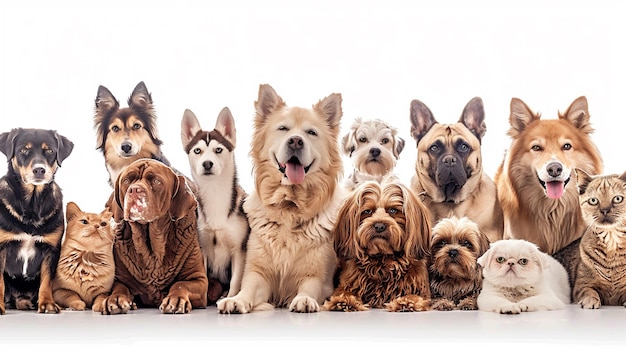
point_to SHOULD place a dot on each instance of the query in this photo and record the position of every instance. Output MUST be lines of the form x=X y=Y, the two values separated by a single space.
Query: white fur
x=510 y=287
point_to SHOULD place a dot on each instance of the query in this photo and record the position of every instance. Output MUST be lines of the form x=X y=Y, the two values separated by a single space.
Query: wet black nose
x=375 y=152
x=39 y=171
x=554 y=169
x=126 y=147
x=207 y=165
x=453 y=253
x=380 y=227
x=295 y=143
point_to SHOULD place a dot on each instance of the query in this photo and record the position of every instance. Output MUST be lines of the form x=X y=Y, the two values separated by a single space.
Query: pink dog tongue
x=295 y=172
x=555 y=189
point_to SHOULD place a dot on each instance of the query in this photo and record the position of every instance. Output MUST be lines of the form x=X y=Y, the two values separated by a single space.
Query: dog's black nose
x=449 y=160
x=453 y=253
x=380 y=227
x=126 y=147
x=295 y=143
x=207 y=165
x=554 y=169
x=39 y=171
x=375 y=152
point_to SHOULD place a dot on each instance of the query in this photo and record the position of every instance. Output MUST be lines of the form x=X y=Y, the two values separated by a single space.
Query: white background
x=378 y=55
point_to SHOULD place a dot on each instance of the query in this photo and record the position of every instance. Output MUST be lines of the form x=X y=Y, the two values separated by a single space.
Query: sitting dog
x=222 y=225
x=374 y=147
x=382 y=240
x=449 y=170
x=156 y=249
x=455 y=276
x=31 y=218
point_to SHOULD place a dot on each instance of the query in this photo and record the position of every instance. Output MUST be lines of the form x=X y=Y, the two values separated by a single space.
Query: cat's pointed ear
x=71 y=210
x=582 y=180
x=623 y=177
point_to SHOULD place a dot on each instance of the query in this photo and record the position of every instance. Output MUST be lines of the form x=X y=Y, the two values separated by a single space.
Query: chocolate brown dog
x=157 y=254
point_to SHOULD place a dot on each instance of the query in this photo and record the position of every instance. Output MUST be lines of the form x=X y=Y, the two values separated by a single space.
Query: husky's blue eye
x=218 y=150
x=197 y=151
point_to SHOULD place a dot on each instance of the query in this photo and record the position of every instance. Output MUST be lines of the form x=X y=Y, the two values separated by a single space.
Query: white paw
x=233 y=305
x=304 y=304
x=512 y=308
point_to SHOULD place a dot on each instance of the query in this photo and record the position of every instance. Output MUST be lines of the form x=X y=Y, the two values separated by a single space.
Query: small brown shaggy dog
x=455 y=276
x=382 y=239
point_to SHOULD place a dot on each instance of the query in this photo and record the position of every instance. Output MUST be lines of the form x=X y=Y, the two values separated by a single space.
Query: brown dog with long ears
x=449 y=170
x=156 y=250
x=536 y=182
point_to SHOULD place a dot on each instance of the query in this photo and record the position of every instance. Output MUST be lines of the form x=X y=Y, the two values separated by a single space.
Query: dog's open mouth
x=554 y=189
x=294 y=170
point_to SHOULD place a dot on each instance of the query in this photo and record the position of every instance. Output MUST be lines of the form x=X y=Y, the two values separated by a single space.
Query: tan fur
x=290 y=260
x=455 y=276
x=528 y=213
x=382 y=239
x=436 y=142
x=86 y=266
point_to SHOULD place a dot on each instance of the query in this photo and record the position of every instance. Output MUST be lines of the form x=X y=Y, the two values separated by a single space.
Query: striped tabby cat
x=601 y=274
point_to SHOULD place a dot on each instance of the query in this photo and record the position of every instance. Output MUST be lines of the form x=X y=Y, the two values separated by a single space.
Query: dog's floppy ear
x=399 y=146
x=7 y=142
x=485 y=258
x=65 y=147
x=330 y=108
x=347 y=143
x=225 y=124
x=578 y=114
x=418 y=223
x=347 y=225
x=422 y=119
x=483 y=242
x=473 y=117
x=267 y=102
x=189 y=127
x=521 y=116
x=183 y=200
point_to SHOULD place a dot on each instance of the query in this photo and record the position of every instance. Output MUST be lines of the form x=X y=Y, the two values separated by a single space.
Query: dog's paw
x=2 y=308
x=590 y=302
x=230 y=305
x=48 y=306
x=409 y=303
x=77 y=305
x=443 y=305
x=509 y=308
x=468 y=304
x=304 y=304
x=117 y=304
x=172 y=304
x=344 y=303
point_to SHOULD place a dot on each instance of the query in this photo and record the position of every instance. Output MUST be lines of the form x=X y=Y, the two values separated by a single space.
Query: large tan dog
x=536 y=183
x=449 y=169
x=295 y=153
x=157 y=253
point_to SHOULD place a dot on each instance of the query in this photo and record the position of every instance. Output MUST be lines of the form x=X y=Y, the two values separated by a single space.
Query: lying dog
x=374 y=147
x=222 y=225
x=449 y=169
x=126 y=134
x=382 y=240
x=31 y=218
x=295 y=153
x=156 y=250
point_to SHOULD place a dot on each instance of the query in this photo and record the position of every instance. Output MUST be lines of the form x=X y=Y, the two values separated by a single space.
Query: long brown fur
x=290 y=259
x=383 y=253
x=529 y=214
x=86 y=266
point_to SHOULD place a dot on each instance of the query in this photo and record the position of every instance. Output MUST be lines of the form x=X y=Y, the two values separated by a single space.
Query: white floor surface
x=205 y=329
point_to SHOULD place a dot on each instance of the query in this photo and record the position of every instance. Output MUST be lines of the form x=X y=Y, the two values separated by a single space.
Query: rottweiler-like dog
x=31 y=218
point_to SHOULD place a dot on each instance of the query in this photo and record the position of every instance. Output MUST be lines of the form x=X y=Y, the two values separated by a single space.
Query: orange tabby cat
x=86 y=268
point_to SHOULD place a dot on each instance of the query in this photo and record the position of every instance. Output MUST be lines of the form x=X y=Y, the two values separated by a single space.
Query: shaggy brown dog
x=382 y=239
x=157 y=254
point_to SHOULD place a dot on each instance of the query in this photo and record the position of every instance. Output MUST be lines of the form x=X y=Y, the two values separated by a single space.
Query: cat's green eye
x=500 y=259
x=523 y=261
x=617 y=199
x=593 y=201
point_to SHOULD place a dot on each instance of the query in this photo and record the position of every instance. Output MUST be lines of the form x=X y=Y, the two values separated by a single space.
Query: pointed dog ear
x=189 y=127
x=422 y=119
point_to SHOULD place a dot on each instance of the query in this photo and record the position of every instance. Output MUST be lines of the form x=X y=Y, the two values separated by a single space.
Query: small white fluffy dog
x=374 y=148
x=517 y=277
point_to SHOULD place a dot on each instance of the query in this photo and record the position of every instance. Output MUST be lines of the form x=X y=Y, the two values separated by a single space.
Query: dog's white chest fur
x=27 y=249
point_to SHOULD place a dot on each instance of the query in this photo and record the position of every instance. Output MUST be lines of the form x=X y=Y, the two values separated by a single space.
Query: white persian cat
x=517 y=277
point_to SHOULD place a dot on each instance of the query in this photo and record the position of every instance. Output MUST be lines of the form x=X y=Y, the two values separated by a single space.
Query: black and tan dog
x=449 y=169
x=31 y=218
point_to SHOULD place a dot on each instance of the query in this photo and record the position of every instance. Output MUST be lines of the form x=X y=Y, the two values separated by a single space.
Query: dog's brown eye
x=500 y=259
x=283 y=128
x=49 y=151
x=617 y=199
x=156 y=181
x=466 y=243
x=463 y=148
x=434 y=148
x=312 y=132
x=536 y=148
x=593 y=201
x=115 y=129
x=392 y=211
x=363 y=140
x=24 y=151
x=366 y=212
x=384 y=141
x=125 y=181
x=567 y=146
x=83 y=221
x=136 y=126
x=523 y=261
x=218 y=150
x=197 y=151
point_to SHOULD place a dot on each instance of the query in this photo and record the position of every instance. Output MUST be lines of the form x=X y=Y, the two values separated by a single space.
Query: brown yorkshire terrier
x=382 y=237
x=455 y=276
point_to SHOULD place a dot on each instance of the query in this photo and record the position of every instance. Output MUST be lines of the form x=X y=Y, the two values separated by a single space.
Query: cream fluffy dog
x=374 y=148
x=297 y=164
x=517 y=277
